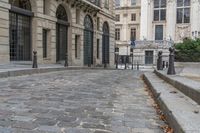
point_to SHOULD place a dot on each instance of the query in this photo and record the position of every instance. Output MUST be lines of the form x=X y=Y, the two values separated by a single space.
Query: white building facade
x=127 y=25
x=170 y=19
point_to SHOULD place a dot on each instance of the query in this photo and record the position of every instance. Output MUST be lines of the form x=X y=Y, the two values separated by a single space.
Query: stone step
x=181 y=112
x=187 y=86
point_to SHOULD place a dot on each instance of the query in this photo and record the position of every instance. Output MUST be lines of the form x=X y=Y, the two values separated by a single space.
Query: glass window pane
x=163 y=3
x=117 y=3
x=159 y=32
x=156 y=3
x=156 y=15
x=133 y=2
x=187 y=3
x=179 y=3
x=163 y=14
x=179 y=15
x=186 y=15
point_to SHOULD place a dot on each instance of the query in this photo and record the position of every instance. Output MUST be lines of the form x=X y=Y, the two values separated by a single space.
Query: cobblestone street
x=77 y=101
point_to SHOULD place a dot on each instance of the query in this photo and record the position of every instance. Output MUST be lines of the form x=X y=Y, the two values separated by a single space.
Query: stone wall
x=48 y=21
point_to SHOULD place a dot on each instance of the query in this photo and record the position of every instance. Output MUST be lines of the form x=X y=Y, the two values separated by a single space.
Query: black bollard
x=171 y=69
x=116 y=61
x=66 y=60
x=167 y=64
x=35 y=65
x=163 y=64
x=138 y=66
x=159 y=61
x=125 y=63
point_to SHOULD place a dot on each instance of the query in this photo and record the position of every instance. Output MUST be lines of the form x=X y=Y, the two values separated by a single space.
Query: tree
x=188 y=51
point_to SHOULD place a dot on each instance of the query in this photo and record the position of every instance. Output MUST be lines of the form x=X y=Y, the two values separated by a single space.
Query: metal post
x=116 y=61
x=132 y=62
x=138 y=66
x=125 y=63
x=171 y=69
x=167 y=64
x=66 y=60
x=35 y=65
x=163 y=65
x=159 y=61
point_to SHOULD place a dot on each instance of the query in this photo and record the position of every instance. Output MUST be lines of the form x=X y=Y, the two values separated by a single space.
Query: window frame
x=117 y=34
x=160 y=9
x=182 y=8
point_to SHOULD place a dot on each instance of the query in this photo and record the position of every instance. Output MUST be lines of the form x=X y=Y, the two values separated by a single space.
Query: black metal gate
x=61 y=45
x=88 y=41
x=105 y=44
x=20 y=37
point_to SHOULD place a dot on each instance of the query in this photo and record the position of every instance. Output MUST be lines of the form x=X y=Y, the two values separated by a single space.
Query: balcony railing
x=95 y=2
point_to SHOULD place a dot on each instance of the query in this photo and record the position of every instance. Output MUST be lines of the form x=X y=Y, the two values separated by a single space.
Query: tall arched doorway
x=20 y=30
x=88 y=41
x=105 y=44
x=61 y=33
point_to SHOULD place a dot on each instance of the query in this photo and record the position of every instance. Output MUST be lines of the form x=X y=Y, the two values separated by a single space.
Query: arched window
x=106 y=28
x=61 y=13
x=24 y=4
x=88 y=23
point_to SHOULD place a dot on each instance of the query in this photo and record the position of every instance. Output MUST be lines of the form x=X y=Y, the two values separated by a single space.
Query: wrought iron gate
x=105 y=44
x=20 y=37
x=88 y=41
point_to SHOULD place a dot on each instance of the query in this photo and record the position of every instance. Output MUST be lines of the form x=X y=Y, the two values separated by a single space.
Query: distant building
x=82 y=30
x=127 y=25
x=155 y=25
x=170 y=19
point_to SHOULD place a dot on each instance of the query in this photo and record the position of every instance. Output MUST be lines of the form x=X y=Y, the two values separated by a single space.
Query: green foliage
x=188 y=51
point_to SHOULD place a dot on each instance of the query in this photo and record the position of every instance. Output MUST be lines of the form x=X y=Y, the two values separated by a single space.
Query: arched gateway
x=20 y=30
x=105 y=44
x=61 y=33
x=88 y=41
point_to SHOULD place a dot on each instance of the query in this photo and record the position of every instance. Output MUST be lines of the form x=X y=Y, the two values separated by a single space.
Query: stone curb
x=187 y=86
x=169 y=116
x=22 y=72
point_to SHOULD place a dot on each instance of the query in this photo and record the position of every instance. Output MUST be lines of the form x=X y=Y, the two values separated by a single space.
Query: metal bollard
x=66 y=60
x=163 y=64
x=167 y=64
x=35 y=65
x=138 y=66
x=159 y=61
x=171 y=69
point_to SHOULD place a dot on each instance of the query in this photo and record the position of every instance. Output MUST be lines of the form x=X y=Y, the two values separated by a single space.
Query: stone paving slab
x=181 y=111
x=189 y=87
x=77 y=101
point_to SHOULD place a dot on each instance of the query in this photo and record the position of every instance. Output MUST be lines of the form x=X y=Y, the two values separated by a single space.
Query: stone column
x=171 y=19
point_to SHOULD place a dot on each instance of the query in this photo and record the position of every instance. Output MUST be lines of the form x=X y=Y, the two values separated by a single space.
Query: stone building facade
x=170 y=19
x=127 y=25
x=81 y=30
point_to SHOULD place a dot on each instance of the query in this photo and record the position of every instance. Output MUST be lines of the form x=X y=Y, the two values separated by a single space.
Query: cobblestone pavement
x=77 y=101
